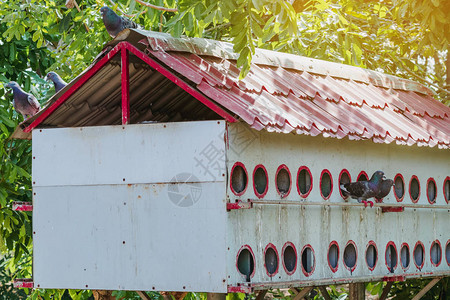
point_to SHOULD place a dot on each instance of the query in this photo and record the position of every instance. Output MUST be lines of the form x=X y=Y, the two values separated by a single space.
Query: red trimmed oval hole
x=447 y=252
x=431 y=190
x=239 y=179
x=399 y=187
x=304 y=181
x=283 y=181
x=447 y=189
x=391 y=256
x=414 y=188
x=350 y=256
x=308 y=260
x=333 y=256
x=246 y=262
x=344 y=177
x=371 y=255
x=404 y=256
x=436 y=253
x=271 y=260
x=326 y=184
x=362 y=176
x=289 y=258
x=419 y=254
x=260 y=181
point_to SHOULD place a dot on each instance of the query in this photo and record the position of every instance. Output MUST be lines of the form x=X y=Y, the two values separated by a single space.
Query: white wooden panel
x=143 y=153
x=130 y=237
x=318 y=226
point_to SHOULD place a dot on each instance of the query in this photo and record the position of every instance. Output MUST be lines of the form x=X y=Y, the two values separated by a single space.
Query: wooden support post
x=143 y=295
x=216 y=296
x=324 y=292
x=427 y=288
x=386 y=290
x=261 y=295
x=125 y=76
x=303 y=293
x=357 y=291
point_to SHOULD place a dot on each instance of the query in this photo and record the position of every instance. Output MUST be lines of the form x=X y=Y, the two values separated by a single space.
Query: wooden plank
x=143 y=295
x=261 y=295
x=357 y=291
x=427 y=288
x=386 y=290
x=303 y=293
x=324 y=292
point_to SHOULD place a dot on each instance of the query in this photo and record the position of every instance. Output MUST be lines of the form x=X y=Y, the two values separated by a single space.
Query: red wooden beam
x=125 y=86
x=77 y=85
x=26 y=283
x=181 y=83
x=22 y=206
x=125 y=74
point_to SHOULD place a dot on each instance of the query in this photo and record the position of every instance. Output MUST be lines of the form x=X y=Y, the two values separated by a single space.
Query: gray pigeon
x=23 y=102
x=57 y=81
x=385 y=190
x=114 y=23
x=363 y=190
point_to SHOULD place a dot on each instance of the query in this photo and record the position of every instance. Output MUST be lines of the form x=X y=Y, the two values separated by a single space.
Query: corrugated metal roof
x=282 y=93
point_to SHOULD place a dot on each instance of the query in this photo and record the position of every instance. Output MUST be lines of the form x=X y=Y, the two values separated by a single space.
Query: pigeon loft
x=157 y=169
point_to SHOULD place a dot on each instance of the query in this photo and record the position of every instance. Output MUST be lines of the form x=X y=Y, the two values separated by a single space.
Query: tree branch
x=157 y=7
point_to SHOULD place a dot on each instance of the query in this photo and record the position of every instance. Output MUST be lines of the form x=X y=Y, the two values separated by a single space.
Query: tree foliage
x=407 y=38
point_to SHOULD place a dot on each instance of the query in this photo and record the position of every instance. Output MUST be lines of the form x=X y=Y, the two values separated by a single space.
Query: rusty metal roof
x=281 y=93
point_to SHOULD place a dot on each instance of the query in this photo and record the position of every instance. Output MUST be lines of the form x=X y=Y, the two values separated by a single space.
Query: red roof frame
x=124 y=48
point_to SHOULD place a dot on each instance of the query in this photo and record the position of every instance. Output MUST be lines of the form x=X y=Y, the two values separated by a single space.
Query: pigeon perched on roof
x=363 y=190
x=384 y=190
x=115 y=23
x=57 y=81
x=24 y=102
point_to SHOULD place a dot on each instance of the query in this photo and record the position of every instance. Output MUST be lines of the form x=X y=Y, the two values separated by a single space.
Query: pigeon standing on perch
x=23 y=102
x=57 y=81
x=363 y=190
x=384 y=190
x=114 y=23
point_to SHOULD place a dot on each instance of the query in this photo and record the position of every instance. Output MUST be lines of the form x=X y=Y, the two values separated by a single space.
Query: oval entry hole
x=399 y=187
x=447 y=253
x=350 y=257
x=271 y=261
x=371 y=256
x=304 y=181
x=283 y=181
x=289 y=259
x=344 y=178
x=333 y=257
x=362 y=176
x=260 y=181
x=325 y=184
x=238 y=179
x=404 y=255
x=414 y=189
x=436 y=253
x=418 y=256
x=431 y=191
x=447 y=189
x=308 y=260
x=246 y=263
x=391 y=257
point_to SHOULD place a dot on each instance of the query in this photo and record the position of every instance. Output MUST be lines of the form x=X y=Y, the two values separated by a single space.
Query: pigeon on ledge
x=114 y=23
x=363 y=190
x=57 y=81
x=24 y=102
x=385 y=189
